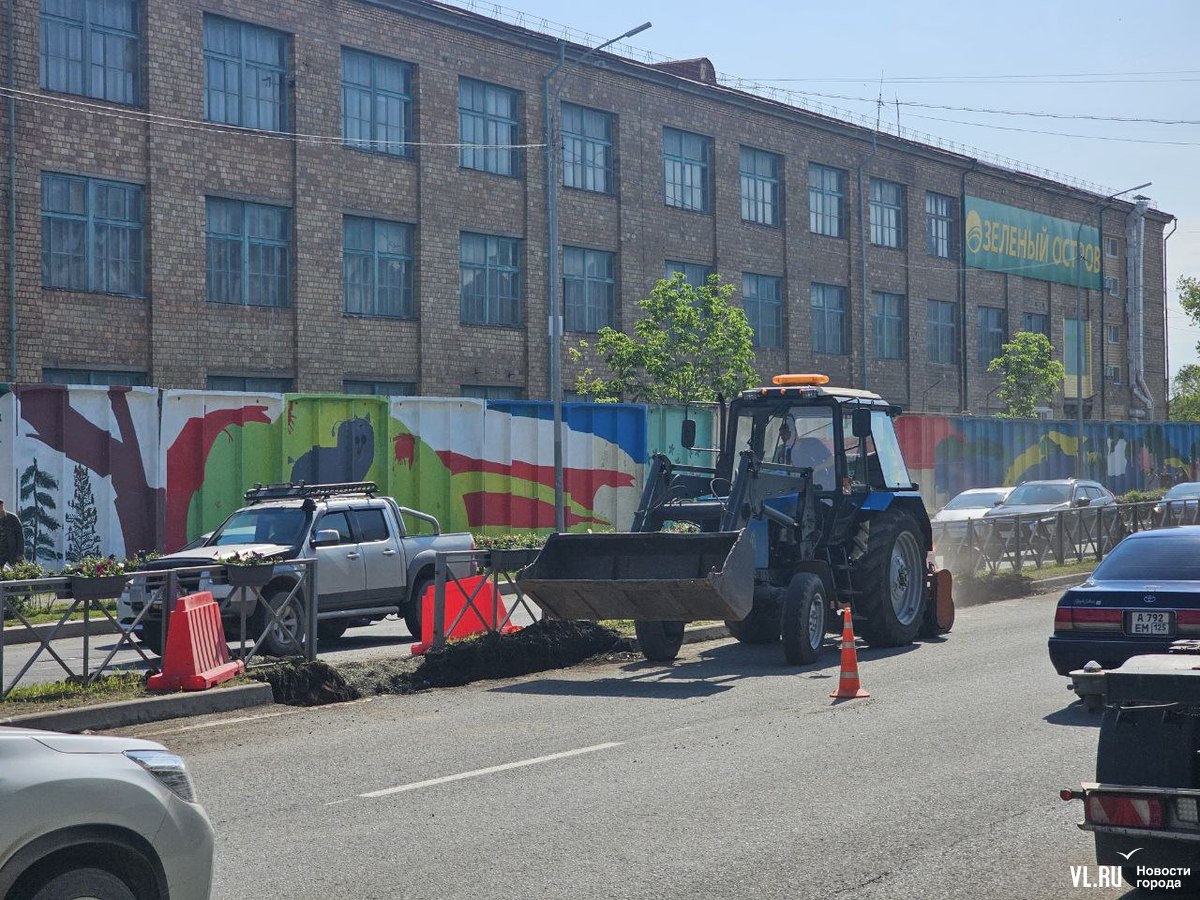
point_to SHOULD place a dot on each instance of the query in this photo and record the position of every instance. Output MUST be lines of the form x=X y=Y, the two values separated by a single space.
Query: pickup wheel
x=284 y=636
x=90 y=882
x=413 y=611
x=151 y=636
x=331 y=629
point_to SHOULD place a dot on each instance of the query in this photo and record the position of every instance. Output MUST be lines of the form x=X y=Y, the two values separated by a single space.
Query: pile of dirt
x=547 y=644
x=305 y=683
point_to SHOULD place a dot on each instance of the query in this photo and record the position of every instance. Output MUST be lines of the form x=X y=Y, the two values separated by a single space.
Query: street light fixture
x=550 y=119
x=1101 y=205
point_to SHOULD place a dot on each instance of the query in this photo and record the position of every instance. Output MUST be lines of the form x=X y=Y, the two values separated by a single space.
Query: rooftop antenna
x=897 y=96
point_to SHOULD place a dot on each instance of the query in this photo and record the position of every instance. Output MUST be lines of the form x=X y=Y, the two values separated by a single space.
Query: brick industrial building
x=351 y=195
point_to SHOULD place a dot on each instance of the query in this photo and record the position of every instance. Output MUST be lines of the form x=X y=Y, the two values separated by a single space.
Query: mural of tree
x=37 y=506
x=82 y=539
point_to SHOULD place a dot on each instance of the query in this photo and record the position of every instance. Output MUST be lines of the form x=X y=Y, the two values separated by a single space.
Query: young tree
x=37 y=514
x=1189 y=298
x=1030 y=377
x=691 y=343
x=1184 y=405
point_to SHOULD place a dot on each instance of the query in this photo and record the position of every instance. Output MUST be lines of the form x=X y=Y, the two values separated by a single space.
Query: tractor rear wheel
x=660 y=641
x=761 y=626
x=804 y=610
x=890 y=578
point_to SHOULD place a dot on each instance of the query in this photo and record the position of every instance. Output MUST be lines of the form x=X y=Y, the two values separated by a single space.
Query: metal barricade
x=498 y=568
x=1012 y=542
x=300 y=602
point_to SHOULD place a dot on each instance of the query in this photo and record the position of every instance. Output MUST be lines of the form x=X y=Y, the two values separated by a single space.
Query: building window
x=377 y=263
x=249 y=384
x=685 y=169
x=1112 y=334
x=378 y=388
x=245 y=73
x=943 y=332
x=890 y=326
x=826 y=200
x=94 y=377
x=589 y=289
x=1037 y=323
x=488 y=127
x=491 y=392
x=887 y=213
x=693 y=273
x=829 y=319
x=587 y=149
x=1112 y=247
x=760 y=186
x=762 y=298
x=376 y=103
x=91 y=235
x=939 y=224
x=248 y=248
x=92 y=48
x=489 y=280
x=1112 y=374
x=991 y=334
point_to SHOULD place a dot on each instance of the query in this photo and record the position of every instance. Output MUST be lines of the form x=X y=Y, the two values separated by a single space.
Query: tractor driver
x=804 y=452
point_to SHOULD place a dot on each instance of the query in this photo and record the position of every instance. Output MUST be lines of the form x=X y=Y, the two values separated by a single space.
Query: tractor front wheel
x=890 y=578
x=660 y=641
x=804 y=610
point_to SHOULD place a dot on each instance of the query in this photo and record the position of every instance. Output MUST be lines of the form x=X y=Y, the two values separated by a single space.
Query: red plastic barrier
x=477 y=618
x=196 y=656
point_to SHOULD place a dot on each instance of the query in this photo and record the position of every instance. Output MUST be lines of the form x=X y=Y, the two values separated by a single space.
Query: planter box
x=104 y=587
x=249 y=576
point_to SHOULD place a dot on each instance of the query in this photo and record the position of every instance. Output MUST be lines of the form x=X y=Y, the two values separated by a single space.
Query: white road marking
x=490 y=770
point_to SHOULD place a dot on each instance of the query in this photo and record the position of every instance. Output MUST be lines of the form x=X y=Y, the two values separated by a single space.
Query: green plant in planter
x=23 y=570
x=99 y=567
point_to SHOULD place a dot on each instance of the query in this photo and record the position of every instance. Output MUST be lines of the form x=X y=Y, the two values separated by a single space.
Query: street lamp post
x=550 y=119
x=1100 y=205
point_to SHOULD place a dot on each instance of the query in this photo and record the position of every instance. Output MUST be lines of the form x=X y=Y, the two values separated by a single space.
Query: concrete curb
x=21 y=635
x=104 y=716
x=702 y=633
x=1059 y=582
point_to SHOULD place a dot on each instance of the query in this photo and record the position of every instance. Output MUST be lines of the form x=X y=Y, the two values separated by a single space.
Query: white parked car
x=89 y=816
x=952 y=518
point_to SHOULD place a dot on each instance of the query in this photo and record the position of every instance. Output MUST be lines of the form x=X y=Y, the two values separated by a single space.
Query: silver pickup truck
x=368 y=565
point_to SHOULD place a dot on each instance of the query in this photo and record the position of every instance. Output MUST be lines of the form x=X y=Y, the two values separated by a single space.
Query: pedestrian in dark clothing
x=12 y=537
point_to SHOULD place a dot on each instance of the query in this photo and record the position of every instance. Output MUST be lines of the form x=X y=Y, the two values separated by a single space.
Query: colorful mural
x=949 y=454
x=118 y=470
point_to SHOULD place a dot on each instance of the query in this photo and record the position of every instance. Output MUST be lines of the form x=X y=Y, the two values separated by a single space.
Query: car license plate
x=1143 y=622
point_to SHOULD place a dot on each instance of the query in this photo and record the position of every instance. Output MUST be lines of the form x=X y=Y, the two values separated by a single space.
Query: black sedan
x=1143 y=595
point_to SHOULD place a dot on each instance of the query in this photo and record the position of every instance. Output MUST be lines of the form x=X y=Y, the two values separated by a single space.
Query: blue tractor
x=809 y=506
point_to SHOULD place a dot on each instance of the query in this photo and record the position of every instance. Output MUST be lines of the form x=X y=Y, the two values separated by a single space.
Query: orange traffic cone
x=848 y=685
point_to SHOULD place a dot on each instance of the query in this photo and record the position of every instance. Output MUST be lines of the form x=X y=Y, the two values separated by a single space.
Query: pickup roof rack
x=299 y=490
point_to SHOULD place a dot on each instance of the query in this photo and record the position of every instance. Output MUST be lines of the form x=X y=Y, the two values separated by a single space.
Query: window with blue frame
x=92 y=235
x=685 y=169
x=491 y=392
x=991 y=334
x=489 y=280
x=759 y=171
x=694 y=274
x=488 y=127
x=377 y=264
x=589 y=289
x=249 y=246
x=92 y=48
x=252 y=384
x=887 y=213
x=245 y=74
x=98 y=377
x=587 y=138
x=762 y=299
x=891 y=323
x=1038 y=323
x=943 y=332
x=367 y=388
x=829 y=319
x=826 y=200
x=376 y=103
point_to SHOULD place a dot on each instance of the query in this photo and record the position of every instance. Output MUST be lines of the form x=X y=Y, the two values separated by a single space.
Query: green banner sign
x=1013 y=240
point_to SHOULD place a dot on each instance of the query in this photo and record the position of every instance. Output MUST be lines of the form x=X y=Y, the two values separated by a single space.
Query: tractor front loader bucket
x=644 y=575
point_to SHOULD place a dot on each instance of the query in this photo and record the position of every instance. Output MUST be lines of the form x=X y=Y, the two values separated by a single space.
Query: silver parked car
x=1052 y=496
x=970 y=504
x=89 y=816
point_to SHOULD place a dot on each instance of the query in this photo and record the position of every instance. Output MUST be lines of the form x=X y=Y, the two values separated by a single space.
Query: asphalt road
x=726 y=775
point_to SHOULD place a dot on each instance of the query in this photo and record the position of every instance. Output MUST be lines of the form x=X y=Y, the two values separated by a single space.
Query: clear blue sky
x=964 y=55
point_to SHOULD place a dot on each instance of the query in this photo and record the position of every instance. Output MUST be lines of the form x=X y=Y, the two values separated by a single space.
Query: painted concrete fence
x=118 y=470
